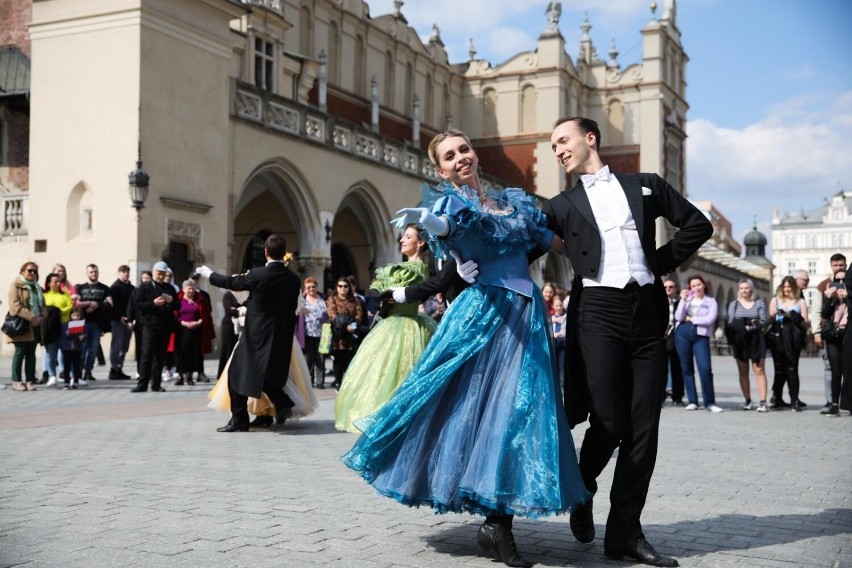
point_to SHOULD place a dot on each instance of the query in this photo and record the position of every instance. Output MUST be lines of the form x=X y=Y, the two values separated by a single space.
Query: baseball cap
x=161 y=266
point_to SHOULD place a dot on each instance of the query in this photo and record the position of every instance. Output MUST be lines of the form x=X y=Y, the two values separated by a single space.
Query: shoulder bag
x=15 y=326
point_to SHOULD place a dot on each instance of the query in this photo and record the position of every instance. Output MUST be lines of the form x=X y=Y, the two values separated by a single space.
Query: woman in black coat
x=228 y=330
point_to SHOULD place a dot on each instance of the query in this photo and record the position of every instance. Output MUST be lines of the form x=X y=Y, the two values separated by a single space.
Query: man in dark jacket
x=261 y=360
x=154 y=303
x=618 y=308
x=121 y=291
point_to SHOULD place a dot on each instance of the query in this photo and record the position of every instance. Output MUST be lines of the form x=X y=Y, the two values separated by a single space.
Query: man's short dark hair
x=275 y=246
x=124 y=268
x=837 y=257
x=585 y=125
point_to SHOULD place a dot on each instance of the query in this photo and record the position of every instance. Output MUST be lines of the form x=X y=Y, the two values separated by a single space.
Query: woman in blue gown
x=478 y=425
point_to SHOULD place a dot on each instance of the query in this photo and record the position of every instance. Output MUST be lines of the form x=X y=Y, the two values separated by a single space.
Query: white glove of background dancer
x=203 y=271
x=435 y=225
x=398 y=295
x=468 y=271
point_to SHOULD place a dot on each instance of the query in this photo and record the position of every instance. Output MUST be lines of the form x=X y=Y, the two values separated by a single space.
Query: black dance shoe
x=232 y=426
x=261 y=422
x=639 y=550
x=281 y=418
x=582 y=523
x=498 y=539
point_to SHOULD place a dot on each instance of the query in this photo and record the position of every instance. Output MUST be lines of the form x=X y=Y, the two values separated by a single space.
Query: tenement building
x=807 y=239
x=308 y=118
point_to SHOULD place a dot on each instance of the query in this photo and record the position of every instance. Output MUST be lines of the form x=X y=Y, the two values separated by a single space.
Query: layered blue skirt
x=478 y=425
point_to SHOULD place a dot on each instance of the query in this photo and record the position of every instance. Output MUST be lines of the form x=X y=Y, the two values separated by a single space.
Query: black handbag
x=15 y=326
x=831 y=333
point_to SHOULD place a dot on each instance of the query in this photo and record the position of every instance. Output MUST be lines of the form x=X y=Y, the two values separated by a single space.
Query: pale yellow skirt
x=298 y=388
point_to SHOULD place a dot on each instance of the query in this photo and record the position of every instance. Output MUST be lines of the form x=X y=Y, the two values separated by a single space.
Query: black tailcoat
x=570 y=215
x=261 y=360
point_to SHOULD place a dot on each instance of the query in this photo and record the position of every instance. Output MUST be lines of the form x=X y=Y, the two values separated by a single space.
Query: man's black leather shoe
x=499 y=539
x=139 y=389
x=639 y=550
x=281 y=418
x=261 y=422
x=582 y=523
x=232 y=426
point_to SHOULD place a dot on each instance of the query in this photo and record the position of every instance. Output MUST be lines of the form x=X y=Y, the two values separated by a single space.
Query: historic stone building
x=806 y=241
x=305 y=117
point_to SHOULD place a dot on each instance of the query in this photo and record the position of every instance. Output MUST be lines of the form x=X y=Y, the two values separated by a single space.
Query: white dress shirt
x=622 y=258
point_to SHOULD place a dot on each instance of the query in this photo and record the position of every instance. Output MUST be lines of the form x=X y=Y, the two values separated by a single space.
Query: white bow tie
x=589 y=180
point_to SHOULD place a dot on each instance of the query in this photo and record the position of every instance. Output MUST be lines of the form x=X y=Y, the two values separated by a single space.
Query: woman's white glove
x=399 y=295
x=435 y=225
x=467 y=271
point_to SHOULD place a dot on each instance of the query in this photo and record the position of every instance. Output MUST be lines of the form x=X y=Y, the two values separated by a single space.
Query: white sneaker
x=762 y=407
x=51 y=381
x=82 y=383
x=714 y=408
x=692 y=406
x=748 y=406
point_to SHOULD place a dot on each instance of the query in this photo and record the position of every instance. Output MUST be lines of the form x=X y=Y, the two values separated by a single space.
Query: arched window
x=358 y=69
x=489 y=112
x=409 y=84
x=615 y=120
x=80 y=212
x=528 y=109
x=333 y=54
x=428 y=104
x=306 y=31
x=390 y=79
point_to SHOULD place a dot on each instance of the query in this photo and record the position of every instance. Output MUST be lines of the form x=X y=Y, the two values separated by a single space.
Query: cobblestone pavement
x=101 y=477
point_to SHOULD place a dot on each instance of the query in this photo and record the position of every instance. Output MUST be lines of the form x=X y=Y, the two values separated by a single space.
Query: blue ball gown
x=478 y=426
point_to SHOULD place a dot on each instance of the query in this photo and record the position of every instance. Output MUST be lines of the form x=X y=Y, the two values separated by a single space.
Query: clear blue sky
x=769 y=84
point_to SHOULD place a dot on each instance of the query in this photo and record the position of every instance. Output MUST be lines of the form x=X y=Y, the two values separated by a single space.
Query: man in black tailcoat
x=615 y=357
x=261 y=360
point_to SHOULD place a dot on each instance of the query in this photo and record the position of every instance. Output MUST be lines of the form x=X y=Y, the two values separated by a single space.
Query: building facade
x=308 y=118
x=807 y=240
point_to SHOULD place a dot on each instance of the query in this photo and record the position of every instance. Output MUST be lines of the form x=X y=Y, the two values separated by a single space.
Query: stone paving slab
x=101 y=477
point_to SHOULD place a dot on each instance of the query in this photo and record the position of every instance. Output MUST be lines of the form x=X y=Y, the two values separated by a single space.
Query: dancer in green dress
x=393 y=346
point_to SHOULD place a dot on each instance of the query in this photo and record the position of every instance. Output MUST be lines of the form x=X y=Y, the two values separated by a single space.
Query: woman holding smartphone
x=791 y=315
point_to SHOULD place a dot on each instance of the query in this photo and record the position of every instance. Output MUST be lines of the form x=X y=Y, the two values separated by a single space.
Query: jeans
x=91 y=342
x=119 y=344
x=690 y=345
x=51 y=358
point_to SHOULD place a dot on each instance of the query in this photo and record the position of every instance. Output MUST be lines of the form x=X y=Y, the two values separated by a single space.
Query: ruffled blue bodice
x=497 y=241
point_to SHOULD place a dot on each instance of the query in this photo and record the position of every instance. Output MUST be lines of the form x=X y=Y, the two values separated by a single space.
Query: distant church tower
x=755 y=250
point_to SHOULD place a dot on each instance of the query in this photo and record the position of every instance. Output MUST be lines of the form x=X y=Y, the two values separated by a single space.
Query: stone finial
x=613 y=55
x=397 y=8
x=586 y=27
x=471 y=51
x=436 y=33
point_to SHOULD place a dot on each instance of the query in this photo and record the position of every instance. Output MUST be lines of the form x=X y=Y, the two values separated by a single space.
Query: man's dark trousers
x=155 y=341
x=621 y=342
x=239 y=403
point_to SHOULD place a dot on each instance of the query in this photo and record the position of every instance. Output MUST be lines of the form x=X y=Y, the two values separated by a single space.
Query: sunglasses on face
x=31 y=270
x=343 y=286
